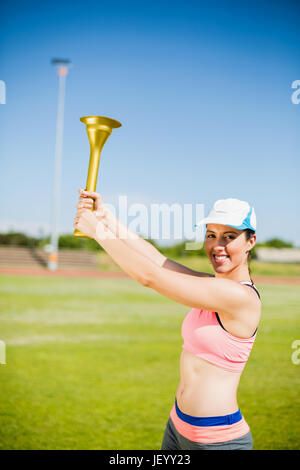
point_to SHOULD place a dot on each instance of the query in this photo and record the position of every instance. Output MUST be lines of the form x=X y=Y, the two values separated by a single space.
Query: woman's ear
x=252 y=241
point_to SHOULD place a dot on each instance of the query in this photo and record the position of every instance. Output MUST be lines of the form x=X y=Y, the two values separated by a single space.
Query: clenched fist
x=85 y=219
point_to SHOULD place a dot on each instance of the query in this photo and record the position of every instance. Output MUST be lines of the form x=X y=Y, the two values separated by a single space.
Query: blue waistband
x=211 y=420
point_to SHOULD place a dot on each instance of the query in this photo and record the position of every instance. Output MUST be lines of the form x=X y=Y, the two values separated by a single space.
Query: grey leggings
x=172 y=440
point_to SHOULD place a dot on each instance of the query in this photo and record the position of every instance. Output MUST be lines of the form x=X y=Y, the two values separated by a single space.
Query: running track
x=120 y=275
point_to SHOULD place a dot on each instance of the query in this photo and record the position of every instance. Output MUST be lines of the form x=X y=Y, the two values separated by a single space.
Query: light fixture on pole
x=62 y=66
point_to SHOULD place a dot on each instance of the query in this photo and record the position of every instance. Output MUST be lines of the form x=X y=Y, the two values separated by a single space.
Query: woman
x=219 y=330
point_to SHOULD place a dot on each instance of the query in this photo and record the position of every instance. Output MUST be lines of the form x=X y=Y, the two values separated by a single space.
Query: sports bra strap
x=247 y=283
x=250 y=285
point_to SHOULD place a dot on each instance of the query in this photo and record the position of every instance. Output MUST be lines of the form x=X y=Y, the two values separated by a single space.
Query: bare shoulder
x=244 y=323
x=203 y=292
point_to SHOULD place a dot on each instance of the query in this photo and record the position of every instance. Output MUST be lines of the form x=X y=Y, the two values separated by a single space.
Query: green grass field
x=201 y=263
x=94 y=364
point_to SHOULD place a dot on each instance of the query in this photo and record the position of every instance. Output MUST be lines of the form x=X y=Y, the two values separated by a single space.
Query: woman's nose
x=220 y=243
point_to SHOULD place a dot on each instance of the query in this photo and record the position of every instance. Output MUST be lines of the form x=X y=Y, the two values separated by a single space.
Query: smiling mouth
x=220 y=259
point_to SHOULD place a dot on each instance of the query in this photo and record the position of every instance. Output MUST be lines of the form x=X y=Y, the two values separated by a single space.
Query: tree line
x=71 y=242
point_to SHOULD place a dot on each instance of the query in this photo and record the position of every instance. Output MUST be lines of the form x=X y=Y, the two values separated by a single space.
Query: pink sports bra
x=205 y=336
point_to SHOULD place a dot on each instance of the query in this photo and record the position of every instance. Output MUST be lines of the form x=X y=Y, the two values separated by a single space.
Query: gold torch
x=98 y=130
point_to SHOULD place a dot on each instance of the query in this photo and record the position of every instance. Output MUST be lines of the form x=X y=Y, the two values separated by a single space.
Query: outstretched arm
x=223 y=295
x=131 y=239
x=131 y=261
x=180 y=268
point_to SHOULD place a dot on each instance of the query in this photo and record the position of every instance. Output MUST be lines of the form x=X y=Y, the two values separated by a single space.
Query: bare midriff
x=205 y=389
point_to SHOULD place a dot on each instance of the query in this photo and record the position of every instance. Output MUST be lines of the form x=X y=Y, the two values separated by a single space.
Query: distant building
x=278 y=255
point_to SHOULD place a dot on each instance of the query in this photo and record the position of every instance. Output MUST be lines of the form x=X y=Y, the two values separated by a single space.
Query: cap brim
x=221 y=221
x=202 y=222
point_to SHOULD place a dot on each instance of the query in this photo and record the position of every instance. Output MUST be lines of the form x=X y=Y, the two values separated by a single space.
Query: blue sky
x=203 y=91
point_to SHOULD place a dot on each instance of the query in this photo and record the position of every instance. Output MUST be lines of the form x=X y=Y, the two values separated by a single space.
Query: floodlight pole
x=62 y=71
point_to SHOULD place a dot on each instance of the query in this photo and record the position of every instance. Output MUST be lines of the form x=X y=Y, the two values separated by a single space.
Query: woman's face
x=227 y=247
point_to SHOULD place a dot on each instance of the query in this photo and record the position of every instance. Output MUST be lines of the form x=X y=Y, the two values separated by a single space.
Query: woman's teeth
x=221 y=258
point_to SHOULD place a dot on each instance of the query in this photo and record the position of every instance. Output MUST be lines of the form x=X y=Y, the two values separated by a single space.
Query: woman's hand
x=88 y=200
x=85 y=220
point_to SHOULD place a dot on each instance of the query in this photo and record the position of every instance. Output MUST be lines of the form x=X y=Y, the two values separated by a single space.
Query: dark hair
x=249 y=233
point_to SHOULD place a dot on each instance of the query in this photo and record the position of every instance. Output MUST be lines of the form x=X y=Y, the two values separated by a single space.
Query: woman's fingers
x=84 y=204
x=86 y=199
x=90 y=200
x=78 y=215
x=91 y=196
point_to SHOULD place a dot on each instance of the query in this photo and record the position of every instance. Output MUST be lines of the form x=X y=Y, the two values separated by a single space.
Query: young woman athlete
x=218 y=331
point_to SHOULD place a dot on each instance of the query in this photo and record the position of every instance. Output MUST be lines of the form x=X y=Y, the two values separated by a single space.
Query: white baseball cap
x=232 y=212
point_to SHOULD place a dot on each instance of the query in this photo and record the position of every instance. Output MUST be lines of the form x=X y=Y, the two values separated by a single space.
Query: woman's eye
x=231 y=237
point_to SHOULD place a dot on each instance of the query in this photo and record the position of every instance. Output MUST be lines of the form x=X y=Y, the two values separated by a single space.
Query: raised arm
x=222 y=295
x=180 y=268
x=131 y=239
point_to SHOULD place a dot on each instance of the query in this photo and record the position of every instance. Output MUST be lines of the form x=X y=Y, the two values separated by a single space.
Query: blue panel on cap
x=246 y=223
